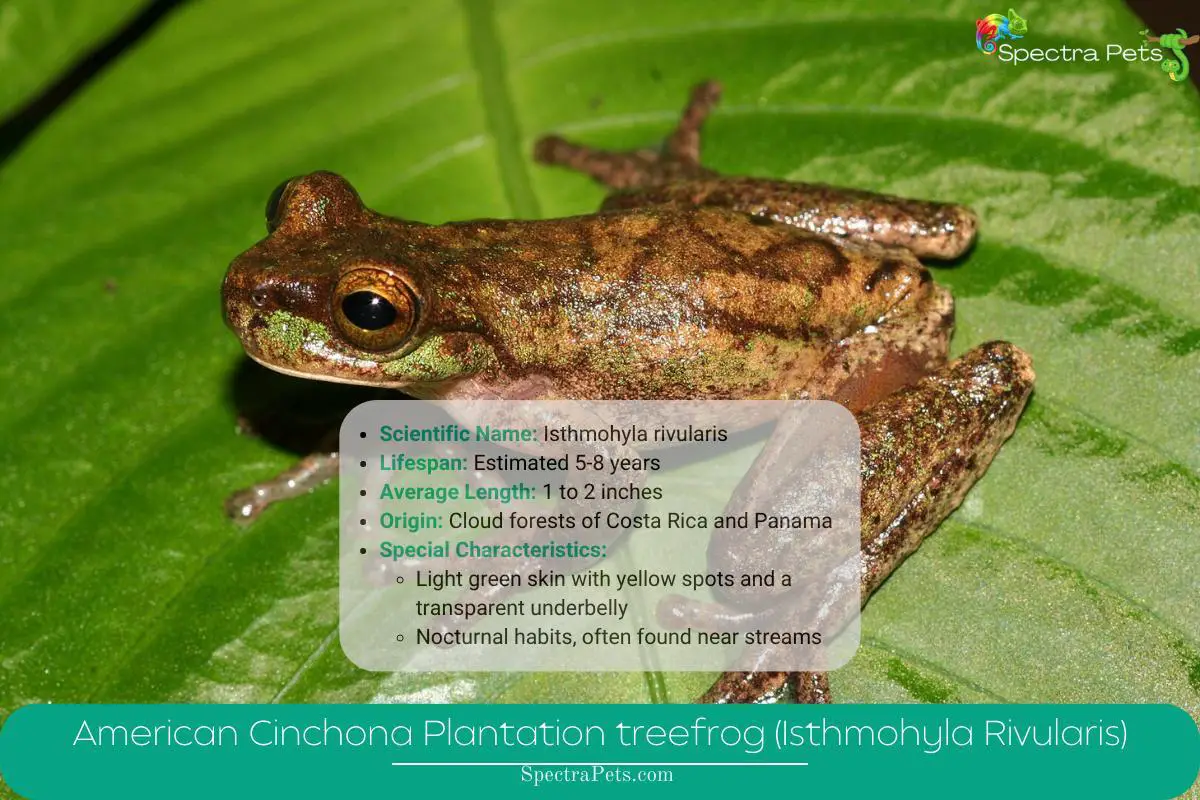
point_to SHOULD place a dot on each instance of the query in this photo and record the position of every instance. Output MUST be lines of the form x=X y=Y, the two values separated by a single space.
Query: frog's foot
x=629 y=169
x=811 y=687
x=769 y=687
x=751 y=687
x=927 y=445
x=312 y=471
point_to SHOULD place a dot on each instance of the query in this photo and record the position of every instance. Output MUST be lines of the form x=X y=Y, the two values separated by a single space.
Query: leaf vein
x=487 y=57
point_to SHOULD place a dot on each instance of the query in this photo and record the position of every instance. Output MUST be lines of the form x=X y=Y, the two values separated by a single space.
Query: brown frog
x=686 y=284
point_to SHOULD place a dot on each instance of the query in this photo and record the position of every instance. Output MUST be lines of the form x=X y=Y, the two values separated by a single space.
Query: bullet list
x=475 y=528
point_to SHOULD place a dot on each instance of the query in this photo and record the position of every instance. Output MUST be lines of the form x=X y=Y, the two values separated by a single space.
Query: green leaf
x=1069 y=572
x=39 y=38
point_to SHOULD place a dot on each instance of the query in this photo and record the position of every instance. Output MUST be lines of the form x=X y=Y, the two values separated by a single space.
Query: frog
x=685 y=284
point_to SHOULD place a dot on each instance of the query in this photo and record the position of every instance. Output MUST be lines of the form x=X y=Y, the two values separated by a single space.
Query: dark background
x=1161 y=16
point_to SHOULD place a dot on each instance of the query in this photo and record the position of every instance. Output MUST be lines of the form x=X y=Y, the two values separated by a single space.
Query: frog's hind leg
x=922 y=449
x=674 y=177
x=631 y=169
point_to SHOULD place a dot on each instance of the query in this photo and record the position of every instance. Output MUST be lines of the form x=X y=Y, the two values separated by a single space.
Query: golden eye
x=375 y=310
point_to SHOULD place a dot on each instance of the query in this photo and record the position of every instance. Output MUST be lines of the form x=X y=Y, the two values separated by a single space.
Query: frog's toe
x=244 y=506
x=632 y=169
x=684 y=143
x=752 y=687
x=811 y=687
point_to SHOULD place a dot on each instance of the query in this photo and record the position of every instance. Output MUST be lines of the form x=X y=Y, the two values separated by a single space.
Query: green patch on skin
x=922 y=687
x=434 y=360
x=291 y=331
x=757 y=340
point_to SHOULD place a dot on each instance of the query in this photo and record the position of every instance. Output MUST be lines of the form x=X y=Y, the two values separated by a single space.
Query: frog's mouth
x=419 y=390
x=311 y=375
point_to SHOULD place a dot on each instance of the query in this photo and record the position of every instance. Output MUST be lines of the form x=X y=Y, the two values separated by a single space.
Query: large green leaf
x=1068 y=574
x=39 y=38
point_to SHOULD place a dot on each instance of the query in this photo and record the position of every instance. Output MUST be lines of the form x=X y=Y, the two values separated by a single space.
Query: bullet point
x=399 y=579
x=362 y=492
x=362 y=434
x=399 y=637
x=362 y=522
x=362 y=551
x=362 y=463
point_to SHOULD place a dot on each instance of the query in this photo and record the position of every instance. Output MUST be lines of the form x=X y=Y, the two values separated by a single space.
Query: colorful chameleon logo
x=1177 y=67
x=995 y=27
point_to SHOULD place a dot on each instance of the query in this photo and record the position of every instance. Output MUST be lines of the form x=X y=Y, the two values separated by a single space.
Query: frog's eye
x=374 y=310
x=275 y=205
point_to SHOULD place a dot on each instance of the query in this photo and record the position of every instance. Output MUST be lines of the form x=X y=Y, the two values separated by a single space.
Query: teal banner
x=300 y=751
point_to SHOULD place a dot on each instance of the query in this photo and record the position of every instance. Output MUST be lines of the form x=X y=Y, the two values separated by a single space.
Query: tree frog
x=686 y=284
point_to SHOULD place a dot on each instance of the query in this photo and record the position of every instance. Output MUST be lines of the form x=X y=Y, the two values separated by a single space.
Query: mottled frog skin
x=686 y=284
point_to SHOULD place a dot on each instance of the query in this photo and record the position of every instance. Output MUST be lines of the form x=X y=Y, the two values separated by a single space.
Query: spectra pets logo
x=995 y=28
x=995 y=35
x=1176 y=63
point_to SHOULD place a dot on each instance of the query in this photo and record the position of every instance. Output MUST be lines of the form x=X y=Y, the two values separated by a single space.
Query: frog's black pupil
x=273 y=209
x=368 y=310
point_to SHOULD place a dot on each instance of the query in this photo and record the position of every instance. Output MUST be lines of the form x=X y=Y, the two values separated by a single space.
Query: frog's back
x=682 y=302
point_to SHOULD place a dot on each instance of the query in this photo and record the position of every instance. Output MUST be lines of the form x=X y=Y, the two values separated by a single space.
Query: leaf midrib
x=487 y=58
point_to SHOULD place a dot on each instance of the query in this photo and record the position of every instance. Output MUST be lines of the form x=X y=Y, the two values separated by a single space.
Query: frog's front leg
x=675 y=177
x=315 y=469
x=922 y=449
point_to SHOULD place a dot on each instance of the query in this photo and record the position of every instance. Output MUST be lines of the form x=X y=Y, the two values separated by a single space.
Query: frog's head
x=324 y=296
